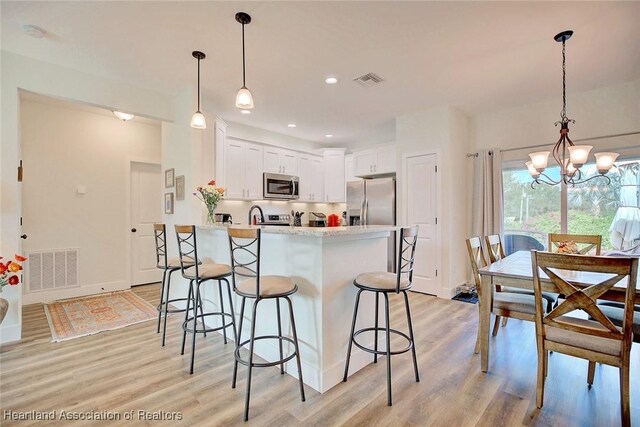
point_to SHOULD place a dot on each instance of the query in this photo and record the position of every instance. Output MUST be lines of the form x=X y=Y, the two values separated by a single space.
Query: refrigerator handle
x=366 y=212
x=362 y=212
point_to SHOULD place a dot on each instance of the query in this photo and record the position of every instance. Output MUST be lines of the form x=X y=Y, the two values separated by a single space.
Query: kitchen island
x=323 y=263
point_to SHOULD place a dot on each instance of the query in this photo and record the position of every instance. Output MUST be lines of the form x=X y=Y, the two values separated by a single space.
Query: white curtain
x=486 y=215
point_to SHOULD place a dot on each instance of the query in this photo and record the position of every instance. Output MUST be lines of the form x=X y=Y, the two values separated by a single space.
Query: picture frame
x=180 y=187
x=169 y=178
x=168 y=203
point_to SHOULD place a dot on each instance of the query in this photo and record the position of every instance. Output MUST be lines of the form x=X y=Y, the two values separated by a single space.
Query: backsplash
x=239 y=209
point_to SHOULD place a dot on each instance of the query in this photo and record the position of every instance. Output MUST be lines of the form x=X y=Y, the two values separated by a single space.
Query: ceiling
x=477 y=56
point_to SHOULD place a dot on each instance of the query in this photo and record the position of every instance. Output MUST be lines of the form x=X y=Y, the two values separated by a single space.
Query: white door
x=146 y=209
x=421 y=184
x=253 y=171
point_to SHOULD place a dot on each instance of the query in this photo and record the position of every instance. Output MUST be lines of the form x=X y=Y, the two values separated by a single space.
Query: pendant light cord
x=563 y=114
x=198 y=85
x=243 y=64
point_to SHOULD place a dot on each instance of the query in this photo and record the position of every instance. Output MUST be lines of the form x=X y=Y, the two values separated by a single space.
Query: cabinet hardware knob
x=133 y=230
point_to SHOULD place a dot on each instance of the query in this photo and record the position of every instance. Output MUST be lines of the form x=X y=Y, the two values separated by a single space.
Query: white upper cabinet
x=311 y=174
x=243 y=170
x=376 y=161
x=334 y=176
x=278 y=160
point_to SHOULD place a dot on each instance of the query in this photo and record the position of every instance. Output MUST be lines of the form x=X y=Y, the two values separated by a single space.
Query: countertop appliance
x=317 y=219
x=276 y=220
x=223 y=218
x=280 y=187
x=373 y=202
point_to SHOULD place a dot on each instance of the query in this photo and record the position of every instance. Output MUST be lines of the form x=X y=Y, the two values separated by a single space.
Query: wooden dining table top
x=515 y=270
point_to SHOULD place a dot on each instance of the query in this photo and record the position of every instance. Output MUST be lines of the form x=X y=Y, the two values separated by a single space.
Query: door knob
x=24 y=236
x=133 y=230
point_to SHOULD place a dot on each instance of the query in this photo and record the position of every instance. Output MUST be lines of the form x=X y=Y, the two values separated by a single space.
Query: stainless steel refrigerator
x=373 y=202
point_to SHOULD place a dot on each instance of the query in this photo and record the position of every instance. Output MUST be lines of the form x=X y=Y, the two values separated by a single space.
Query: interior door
x=422 y=210
x=146 y=209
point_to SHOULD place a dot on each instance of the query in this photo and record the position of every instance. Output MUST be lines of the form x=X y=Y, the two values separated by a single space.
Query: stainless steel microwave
x=282 y=187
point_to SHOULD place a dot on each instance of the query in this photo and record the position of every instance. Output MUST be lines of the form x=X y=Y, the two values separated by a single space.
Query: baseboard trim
x=56 y=294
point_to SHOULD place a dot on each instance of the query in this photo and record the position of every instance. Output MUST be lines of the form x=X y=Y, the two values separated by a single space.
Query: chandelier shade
x=569 y=157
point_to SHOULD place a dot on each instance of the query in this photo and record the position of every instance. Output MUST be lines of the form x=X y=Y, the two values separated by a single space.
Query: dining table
x=515 y=271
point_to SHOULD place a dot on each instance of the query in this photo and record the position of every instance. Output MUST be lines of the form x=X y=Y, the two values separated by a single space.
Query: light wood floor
x=126 y=370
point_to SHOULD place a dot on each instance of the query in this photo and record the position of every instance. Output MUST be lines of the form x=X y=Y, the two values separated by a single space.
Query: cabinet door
x=234 y=167
x=363 y=163
x=272 y=160
x=306 y=178
x=318 y=179
x=386 y=160
x=253 y=171
x=334 y=177
x=289 y=161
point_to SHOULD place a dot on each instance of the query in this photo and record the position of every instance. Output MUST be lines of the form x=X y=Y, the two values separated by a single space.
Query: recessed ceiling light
x=291 y=125
x=329 y=135
x=331 y=80
x=245 y=111
x=34 y=31
x=123 y=116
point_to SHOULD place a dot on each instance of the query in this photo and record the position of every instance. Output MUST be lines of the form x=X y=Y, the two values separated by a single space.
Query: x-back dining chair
x=586 y=244
x=495 y=250
x=506 y=304
x=596 y=339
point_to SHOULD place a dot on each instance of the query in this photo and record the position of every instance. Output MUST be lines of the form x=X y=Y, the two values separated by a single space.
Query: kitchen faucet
x=251 y=210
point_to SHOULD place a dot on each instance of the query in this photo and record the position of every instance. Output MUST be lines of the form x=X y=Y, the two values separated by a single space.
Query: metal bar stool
x=169 y=266
x=247 y=283
x=197 y=273
x=385 y=283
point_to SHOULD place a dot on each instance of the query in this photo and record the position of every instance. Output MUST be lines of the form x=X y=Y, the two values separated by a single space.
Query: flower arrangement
x=210 y=195
x=569 y=247
x=8 y=271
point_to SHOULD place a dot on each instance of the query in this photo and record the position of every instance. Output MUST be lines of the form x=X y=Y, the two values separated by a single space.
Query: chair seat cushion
x=548 y=296
x=577 y=339
x=521 y=303
x=173 y=262
x=382 y=281
x=270 y=286
x=208 y=270
x=615 y=314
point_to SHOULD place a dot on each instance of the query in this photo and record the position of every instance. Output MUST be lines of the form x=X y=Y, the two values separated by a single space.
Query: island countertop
x=311 y=231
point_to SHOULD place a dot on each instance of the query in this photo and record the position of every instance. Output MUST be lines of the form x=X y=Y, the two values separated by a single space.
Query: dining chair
x=505 y=304
x=495 y=250
x=591 y=242
x=598 y=340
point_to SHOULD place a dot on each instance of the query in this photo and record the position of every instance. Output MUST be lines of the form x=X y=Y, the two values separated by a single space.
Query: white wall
x=445 y=130
x=19 y=72
x=63 y=148
x=250 y=133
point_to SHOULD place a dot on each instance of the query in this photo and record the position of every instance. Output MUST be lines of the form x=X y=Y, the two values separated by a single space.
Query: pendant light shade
x=197 y=120
x=244 y=99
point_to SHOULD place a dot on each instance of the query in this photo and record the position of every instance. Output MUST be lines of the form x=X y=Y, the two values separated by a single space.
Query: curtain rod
x=575 y=140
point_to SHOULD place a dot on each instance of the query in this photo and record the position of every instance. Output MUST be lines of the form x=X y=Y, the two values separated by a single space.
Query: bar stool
x=245 y=265
x=385 y=283
x=169 y=266
x=197 y=273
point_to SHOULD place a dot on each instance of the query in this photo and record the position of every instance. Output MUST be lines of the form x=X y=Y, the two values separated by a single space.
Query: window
x=588 y=208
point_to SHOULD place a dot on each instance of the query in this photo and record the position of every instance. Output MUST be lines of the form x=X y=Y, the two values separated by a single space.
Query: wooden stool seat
x=270 y=287
x=380 y=281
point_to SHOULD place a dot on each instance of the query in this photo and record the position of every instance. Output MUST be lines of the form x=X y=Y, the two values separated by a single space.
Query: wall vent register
x=52 y=269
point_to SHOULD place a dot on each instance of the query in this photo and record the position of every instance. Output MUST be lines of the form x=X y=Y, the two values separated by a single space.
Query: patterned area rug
x=79 y=317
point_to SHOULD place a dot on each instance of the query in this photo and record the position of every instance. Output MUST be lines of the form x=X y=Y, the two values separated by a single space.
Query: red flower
x=212 y=182
x=3 y=268
x=13 y=280
x=20 y=258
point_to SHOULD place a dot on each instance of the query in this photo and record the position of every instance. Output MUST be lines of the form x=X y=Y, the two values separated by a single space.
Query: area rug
x=78 y=317
x=470 y=297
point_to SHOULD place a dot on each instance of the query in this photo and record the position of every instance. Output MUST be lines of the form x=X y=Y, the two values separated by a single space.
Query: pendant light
x=569 y=157
x=197 y=120
x=244 y=99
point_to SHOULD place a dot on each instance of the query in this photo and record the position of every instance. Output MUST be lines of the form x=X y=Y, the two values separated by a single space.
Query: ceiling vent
x=368 y=80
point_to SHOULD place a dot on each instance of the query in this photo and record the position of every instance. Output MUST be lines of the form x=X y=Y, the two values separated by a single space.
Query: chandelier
x=569 y=157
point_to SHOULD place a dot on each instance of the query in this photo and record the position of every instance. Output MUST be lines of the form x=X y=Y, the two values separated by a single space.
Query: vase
x=211 y=216
x=4 y=306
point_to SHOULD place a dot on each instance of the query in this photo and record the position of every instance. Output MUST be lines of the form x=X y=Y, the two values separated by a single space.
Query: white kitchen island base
x=323 y=263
